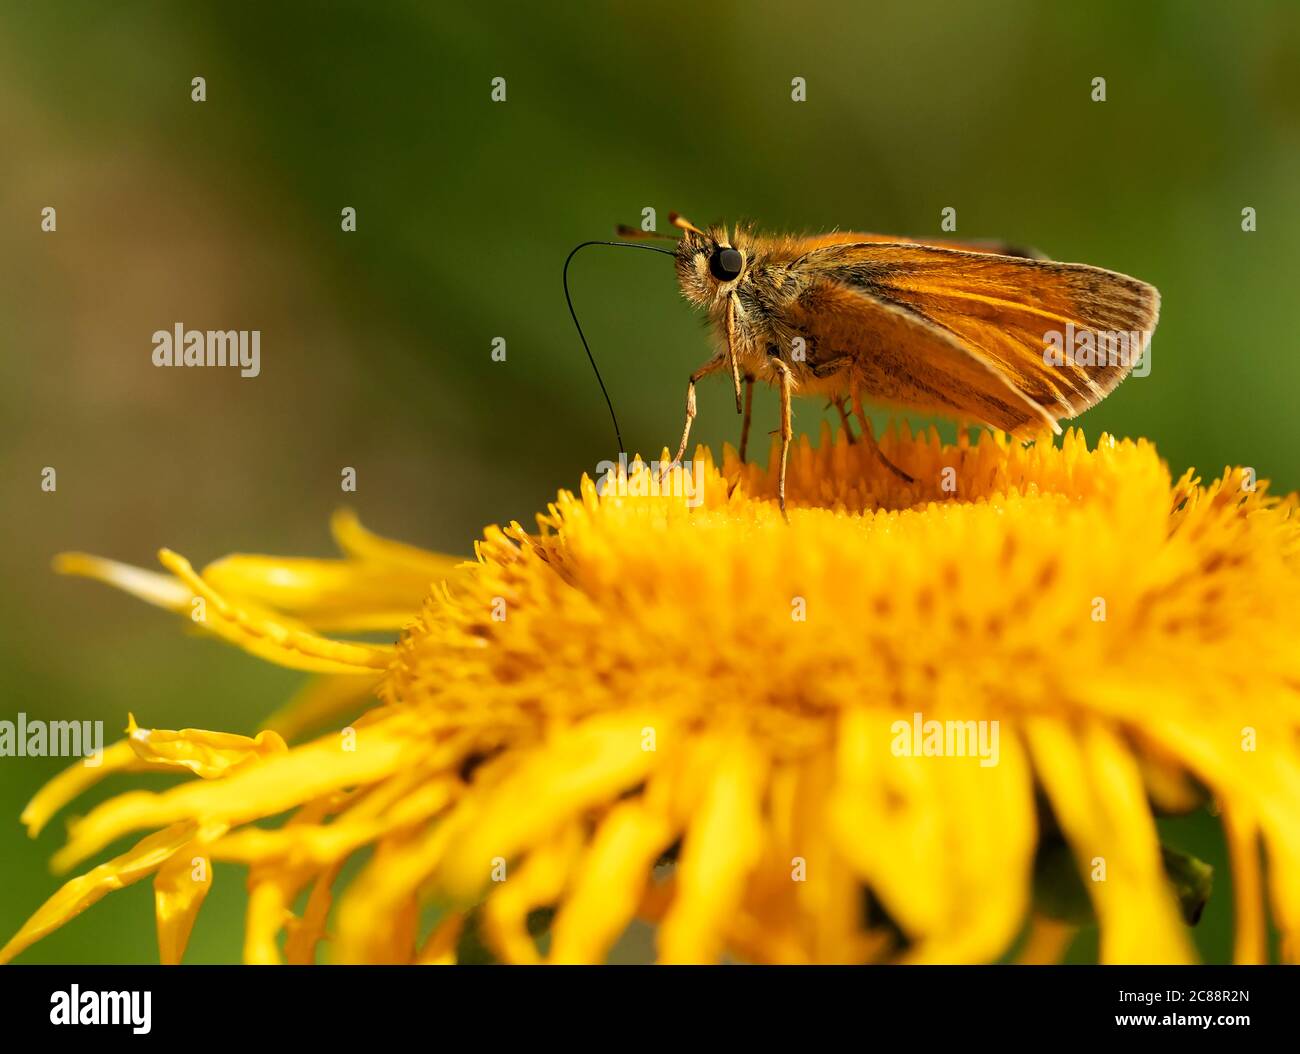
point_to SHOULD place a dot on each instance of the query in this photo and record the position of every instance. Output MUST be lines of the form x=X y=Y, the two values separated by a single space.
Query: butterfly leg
x=871 y=439
x=712 y=366
x=787 y=429
x=829 y=369
x=844 y=420
x=749 y=406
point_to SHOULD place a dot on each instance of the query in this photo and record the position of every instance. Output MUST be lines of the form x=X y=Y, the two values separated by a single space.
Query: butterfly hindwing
x=894 y=356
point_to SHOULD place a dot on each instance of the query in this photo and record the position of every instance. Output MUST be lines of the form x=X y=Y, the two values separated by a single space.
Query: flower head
x=848 y=738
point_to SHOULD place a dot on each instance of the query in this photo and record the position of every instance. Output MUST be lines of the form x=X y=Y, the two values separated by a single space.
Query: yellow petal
x=273 y=638
x=361 y=544
x=989 y=837
x=946 y=843
x=78 y=894
x=270 y=893
x=538 y=881
x=325 y=594
x=611 y=880
x=321 y=844
x=577 y=768
x=279 y=783
x=162 y=591
x=721 y=847
x=210 y=755
x=1250 y=944
x=180 y=887
x=77 y=778
x=1095 y=789
x=306 y=933
x=385 y=888
x=272 y=888
x=440 y=946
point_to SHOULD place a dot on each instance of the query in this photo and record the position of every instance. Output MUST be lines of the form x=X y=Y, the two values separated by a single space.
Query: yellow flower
x=848 y=738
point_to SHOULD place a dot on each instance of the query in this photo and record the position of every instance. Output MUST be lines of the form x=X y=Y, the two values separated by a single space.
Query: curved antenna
x=569 y=300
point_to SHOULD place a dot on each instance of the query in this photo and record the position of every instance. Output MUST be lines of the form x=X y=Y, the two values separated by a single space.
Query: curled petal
x=180 y=887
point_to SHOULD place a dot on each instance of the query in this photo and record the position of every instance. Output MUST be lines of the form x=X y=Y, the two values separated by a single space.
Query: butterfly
x=977 y=331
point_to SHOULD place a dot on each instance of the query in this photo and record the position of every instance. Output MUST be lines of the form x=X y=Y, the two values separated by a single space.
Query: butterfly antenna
x=618 y=435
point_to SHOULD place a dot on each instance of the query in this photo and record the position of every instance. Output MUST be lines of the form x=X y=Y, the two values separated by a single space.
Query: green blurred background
x=376 y=344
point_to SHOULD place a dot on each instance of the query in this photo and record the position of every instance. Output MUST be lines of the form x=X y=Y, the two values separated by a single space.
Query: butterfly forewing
x=997 y=312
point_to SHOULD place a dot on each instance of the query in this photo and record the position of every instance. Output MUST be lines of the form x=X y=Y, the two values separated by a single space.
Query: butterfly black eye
x=725 y=264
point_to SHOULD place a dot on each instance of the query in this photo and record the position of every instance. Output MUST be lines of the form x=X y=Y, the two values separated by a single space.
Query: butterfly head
x=710 y=263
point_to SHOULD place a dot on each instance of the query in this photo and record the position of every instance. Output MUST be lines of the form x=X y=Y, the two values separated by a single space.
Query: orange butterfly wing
x=941 y=320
